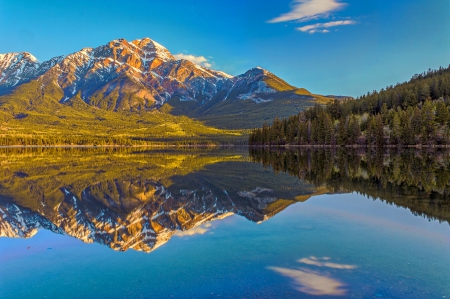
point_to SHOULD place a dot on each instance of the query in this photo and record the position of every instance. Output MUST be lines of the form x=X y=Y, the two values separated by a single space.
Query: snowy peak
x=16 y=68
x=141 y=67
x=150 y=47
x=13 y=58
x=138 y=53
x=137 y=75
x=255 y=73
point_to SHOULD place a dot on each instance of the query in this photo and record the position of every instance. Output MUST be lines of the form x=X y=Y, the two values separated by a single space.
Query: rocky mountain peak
x=15 y=57
x=149 y=47
x=16 y=68
x=255 y=72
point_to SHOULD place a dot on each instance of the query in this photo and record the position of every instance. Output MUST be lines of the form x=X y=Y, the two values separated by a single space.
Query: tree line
x=411 y=113
x=84 y=140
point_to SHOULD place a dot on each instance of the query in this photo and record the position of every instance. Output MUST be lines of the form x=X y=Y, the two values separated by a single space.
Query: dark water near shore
x=135 y=223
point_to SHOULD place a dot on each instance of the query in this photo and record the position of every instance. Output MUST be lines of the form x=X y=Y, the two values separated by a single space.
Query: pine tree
x=341 y=132
x=416 y=121
x=328 y=128
x=353 y=131
x=442 y=114
x=379 y=131
x=396 y=129
x=428 y=122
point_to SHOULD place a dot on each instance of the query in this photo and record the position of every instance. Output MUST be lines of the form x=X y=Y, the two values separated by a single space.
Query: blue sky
x=341 y=47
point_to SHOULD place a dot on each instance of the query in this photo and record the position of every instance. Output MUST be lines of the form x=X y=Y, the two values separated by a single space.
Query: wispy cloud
x=305 y=10
x=321 y=27
x=200 y=60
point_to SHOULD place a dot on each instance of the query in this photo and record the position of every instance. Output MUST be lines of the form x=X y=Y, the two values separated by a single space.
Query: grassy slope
x=35 y=111
x=246 y=114
x=31 y=110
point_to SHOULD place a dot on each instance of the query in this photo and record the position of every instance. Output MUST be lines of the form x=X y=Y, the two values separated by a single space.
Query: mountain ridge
x=142 y=75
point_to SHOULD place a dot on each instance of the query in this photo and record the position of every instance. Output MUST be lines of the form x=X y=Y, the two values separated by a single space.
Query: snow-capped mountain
x=136 y=75
x=16 y=68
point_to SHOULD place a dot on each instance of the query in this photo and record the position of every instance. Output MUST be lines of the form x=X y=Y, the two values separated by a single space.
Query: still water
x=112 y=223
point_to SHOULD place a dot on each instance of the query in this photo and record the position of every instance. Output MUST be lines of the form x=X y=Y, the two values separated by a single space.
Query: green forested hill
x=430 y=85
x=410 y=113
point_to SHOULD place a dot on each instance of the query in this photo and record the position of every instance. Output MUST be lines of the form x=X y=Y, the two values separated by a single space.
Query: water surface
x=206 y=224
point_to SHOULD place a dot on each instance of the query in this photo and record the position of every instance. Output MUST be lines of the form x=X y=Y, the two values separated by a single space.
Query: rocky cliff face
x=134 y=76
x=139 y=215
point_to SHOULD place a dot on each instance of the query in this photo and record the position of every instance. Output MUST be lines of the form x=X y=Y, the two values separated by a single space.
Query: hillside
x=31 y=118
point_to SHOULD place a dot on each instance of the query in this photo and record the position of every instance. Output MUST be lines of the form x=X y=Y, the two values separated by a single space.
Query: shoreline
x=349 y=146
x=120 y=146
x=287 y=146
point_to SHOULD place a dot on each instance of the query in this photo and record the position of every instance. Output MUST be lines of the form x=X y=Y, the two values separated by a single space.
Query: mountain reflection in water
x=134 y=200
x=138 y=199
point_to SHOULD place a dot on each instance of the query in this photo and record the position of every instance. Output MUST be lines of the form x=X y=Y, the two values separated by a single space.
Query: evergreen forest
x=407 y=114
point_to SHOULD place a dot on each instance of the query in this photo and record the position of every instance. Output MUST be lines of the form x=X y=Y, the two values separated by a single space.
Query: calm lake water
x=133 y=223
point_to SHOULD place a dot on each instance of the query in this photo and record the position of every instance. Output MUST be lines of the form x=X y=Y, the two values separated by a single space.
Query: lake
x=233 y=223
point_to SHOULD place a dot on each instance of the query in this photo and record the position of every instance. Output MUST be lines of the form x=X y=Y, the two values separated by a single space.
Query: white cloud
x=304 y=10
x=313 y=283
x=319 y=27
x=199 y=230
x=200 y=60
x=323 y=262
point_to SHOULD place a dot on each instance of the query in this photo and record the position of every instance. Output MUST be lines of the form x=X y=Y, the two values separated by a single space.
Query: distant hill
x=342 y=98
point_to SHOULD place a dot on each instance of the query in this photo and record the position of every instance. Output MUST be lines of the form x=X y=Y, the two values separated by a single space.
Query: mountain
x=18 y=68
x=142 y=75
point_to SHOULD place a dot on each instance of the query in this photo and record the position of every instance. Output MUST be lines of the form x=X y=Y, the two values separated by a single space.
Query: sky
x=330 y=47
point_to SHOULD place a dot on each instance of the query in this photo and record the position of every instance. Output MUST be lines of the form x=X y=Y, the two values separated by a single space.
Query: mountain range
x=142 y=75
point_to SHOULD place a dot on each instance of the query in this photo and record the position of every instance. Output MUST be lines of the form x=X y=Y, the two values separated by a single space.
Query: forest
x=407 y=114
